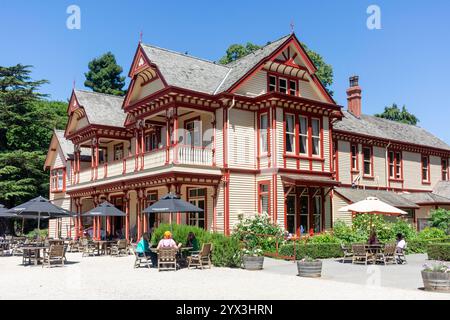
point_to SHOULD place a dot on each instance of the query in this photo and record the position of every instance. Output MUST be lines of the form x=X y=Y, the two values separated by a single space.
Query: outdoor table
x=374 y=249
x=27 y=250
x=102 y=245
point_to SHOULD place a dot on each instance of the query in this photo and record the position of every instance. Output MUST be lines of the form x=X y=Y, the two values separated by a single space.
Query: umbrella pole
x=23 y=224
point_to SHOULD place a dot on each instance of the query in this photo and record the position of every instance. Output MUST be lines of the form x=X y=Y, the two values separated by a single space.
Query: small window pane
x=290 y=133
x=292 y=87
x=272 y=83
x=283 y=85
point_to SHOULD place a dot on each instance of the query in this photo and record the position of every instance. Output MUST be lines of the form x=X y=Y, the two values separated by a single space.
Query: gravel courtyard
x=114 y=278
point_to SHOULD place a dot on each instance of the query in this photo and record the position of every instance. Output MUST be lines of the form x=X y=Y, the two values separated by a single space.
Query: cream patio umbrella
x=372 y=205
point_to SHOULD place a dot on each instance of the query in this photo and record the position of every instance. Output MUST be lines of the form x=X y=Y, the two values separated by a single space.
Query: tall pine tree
x=104 y=75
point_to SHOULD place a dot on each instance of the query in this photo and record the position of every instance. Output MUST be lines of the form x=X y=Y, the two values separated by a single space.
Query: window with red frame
x=118 y=151
x=315 y=130
x=263 y=133
x=354 y=156
x=444 y=163
x=264 y=197
x=290 y=133
x=395 y=165
x=282 y=85
x=367 y=154
x=57 y=180
x=152 y=140
x=425 y=169
x=303 y=121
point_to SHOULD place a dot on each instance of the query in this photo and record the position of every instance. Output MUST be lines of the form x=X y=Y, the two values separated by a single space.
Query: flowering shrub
x=258 y=232
x=437 y=267
x=255 y=252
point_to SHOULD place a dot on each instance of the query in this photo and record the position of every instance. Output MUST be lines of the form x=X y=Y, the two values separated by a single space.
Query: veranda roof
x=105 y=209
x=373 y=205
x=172 y=203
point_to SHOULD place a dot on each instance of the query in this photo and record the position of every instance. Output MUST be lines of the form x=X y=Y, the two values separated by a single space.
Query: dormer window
x=282 y=85
x=272 y=83
x=292 y=87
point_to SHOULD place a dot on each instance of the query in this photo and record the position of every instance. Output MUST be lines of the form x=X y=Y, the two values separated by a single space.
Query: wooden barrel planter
x=253 y=263
x=436 y=281
x=309 y=269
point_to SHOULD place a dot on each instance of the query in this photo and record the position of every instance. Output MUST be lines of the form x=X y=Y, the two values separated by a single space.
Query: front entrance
x=304 y=210
x=118 y=223
x=197 y=197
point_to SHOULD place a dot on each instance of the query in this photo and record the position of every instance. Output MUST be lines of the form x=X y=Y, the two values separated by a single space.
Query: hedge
x=315 y=251
x=439 y=251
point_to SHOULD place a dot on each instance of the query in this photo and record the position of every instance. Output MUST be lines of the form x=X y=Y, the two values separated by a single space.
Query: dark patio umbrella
x=105 y=209
x=172 y=203
x=39 y=208
x=5 y=214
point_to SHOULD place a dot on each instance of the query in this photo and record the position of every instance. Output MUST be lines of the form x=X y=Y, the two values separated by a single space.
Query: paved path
x=115 y=278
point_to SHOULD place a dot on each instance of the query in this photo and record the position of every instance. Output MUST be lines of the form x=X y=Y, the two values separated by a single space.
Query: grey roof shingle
x=67 y=146
x=102 y=109
x=390 y=130
x=442 y=188
x=391 y=198
x=187 y=72
x=425 y=197
x=200 y=75
x=243 y=65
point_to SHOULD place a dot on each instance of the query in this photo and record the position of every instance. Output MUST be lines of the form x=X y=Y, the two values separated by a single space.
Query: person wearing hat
x=167 y=241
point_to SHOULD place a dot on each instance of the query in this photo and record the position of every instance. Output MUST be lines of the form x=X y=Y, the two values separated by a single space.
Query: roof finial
x=292 y=26
x=141 y=34
x=74 y=83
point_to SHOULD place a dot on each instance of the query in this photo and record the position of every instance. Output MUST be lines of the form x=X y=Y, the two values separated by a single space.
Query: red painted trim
x=428 y=180
x=52 y=185
x=372 y=174
x=444 y=169
x=275 y=198
x=205 y=198
x=268 y=193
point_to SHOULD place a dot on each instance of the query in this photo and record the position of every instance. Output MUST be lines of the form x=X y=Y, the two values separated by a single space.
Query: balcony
x=179 y=155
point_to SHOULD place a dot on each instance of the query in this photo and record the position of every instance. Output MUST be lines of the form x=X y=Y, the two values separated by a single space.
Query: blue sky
x=406 y=62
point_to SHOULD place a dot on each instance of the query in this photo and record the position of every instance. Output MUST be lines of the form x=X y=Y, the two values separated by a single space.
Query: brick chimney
x=354 y=97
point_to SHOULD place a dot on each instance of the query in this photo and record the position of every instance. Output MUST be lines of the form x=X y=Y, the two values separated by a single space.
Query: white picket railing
x=194 y=155
x=154 y=158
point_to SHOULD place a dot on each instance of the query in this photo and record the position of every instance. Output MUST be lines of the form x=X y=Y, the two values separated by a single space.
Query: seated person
x=143 y=247
x=192 y=242
x=373 y=239
x=401 y=243
x=168 y=242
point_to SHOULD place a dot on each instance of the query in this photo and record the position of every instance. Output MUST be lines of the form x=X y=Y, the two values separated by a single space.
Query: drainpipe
x=386 y=172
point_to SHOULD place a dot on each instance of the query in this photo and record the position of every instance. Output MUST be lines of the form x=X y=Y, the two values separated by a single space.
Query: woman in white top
x=401 y=243
x=167 y=241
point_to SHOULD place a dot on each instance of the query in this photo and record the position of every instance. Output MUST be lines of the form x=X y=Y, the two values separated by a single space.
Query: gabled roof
x=387 y=129
x=442 y=188
x=185 y=71
x=391 y=198
x=426 y=198
x=102 y=109
x=240 y=67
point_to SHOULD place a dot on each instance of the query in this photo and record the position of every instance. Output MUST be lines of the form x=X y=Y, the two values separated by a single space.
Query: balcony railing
x=180 y=154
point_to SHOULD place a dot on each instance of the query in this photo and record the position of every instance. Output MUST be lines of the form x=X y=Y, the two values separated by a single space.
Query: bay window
x=263 y=133
x=303 y=134
x=367 y=154
x=264 y=197
x=315 y=126
x=290 y=133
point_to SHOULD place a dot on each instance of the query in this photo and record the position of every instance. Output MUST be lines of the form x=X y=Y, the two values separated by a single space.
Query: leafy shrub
x=323 y=238
x=226 y=250
x=36 y=233
x=440 y=219
x=439 y=251
x=315 y=251
x=346 y=234
x=405 y=228
x=428 y=234
x=251 y=230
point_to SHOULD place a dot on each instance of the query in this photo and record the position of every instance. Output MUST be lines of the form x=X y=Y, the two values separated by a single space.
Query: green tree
x=440 y=218
x=324 y=70
x=104 y=75
x=395 y=114
x=26 y=126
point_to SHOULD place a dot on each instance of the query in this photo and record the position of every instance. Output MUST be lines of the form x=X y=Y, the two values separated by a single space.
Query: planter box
x=436 y=281
x=311 y=269
x=253 y=263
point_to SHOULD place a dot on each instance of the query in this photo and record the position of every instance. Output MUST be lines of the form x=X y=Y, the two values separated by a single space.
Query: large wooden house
x=260 y=134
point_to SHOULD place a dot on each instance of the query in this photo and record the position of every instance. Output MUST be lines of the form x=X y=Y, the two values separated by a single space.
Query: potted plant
x=252 y=259
x=309 y=267
x=436 y=277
